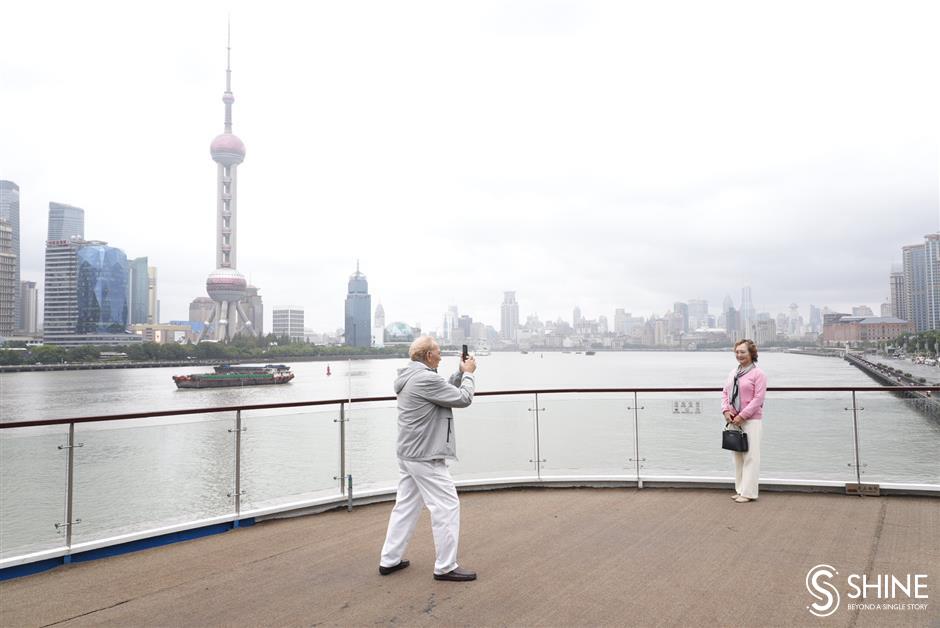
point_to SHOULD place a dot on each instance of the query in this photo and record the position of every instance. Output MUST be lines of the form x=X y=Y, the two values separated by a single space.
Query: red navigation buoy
x=328 y=370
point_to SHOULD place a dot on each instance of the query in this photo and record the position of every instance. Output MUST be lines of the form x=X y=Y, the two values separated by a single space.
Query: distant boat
x=590 y=352
x=227 y=376
x=524 y=352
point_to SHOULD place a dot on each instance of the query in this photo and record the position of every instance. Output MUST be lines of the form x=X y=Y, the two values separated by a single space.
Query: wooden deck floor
x=545 y=557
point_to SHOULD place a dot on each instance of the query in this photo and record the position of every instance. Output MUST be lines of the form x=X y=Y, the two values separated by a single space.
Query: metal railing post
x=237 y=494
x=636 y=438
x=69 y=488
x=342 y=451
x=538 y=444
x=858 y=463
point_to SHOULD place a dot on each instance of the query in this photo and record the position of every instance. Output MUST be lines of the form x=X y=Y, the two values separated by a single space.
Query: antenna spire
x=228 y=98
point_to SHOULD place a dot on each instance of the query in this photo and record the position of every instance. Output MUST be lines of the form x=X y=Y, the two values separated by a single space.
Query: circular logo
x=819 y=586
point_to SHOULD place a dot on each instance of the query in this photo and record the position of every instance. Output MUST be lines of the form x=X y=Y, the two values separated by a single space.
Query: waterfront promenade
x=546 y=557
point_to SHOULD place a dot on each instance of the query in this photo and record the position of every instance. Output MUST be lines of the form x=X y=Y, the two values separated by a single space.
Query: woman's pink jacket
x=751 y=389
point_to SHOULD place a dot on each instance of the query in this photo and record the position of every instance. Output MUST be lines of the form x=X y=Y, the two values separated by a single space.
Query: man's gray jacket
x=425 y=418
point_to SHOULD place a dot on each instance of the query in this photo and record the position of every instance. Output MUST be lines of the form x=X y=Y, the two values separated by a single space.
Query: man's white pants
x=747 y=464
x=424 y=483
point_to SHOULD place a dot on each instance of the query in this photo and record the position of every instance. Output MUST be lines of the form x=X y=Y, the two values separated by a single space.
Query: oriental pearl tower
x=226 y=286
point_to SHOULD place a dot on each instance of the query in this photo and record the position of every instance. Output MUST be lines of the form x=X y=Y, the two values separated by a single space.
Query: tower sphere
x=227 y=149
x=226 y=284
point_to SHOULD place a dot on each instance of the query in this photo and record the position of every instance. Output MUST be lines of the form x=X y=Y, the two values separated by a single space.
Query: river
x=136 y=475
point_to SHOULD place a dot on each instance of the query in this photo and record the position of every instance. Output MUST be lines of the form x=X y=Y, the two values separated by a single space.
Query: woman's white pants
x=424 y=484
x=747 y=464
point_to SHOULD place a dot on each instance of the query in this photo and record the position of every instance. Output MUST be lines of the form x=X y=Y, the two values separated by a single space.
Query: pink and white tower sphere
x=225 y=285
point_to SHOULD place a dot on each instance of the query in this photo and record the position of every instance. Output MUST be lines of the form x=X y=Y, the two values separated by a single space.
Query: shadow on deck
x=545 y=557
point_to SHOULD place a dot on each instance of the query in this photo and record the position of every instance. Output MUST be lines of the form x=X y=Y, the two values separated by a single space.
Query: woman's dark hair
x=751 y=348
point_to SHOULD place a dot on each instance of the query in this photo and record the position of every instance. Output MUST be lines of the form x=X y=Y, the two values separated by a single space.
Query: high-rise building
x=8 y=285
x=465 y=325
x=698 y=314
x=85 y=294
x=915 y=283
x=897 y=290
x=29 y=307
x=764 y=332
x=576 y=317
x=862 y=310
x=201 y=310
x=747 y=311
x=932 y=266
x=153 y=303
x=358 y=311
x=288 y=321
x=101 y=289
x=450 y=323
x=886 y=310
x=509 y=317
x=815 y=319
x=65 y=222
x=378 y=327
x=682 y=311
x=620 y=321
x=60 y=305
x=225 y=285
x=138 y=287
x=10 y=212
x=254 y=308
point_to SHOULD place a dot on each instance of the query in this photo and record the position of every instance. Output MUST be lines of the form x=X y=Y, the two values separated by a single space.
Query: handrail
x=492 y=393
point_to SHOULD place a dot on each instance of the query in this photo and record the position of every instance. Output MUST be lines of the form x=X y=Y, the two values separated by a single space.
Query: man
x=425 y=440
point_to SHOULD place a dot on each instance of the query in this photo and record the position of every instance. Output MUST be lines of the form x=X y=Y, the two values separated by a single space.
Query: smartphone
x=464 y=354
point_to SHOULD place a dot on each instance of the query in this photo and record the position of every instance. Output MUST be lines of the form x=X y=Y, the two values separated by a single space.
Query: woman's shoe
x=742 y=499
x=736 y=496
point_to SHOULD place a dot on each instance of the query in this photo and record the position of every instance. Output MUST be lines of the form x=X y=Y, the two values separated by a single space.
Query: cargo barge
x=236 y=375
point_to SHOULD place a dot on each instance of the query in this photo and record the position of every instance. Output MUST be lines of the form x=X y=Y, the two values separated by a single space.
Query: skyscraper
x=747 y=312
x=576 y=317
x=915 y=283
x=358 y=311
x=254 y=307
x=137 y=291
x=450 y=323
x=60 y=307
x=378 y=327
x=698 y=314
x=8 y=285
x=29 y=307
x=682 y=311
x=225 y=285
x=101 y=289
x=898 y=294
x=932 y=268
x=153 y=303
x=65 y=222
x=509 y=317
x=10 y=212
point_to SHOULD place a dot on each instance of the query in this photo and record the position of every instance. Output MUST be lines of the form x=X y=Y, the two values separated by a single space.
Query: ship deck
x=553 y=556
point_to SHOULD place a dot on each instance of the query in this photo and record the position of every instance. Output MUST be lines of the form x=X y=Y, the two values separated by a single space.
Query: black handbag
x=734 y=440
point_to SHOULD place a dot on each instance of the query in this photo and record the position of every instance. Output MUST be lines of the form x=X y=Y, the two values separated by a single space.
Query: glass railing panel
x=495 y=438
x=371 y=438
x=808 y=436
x=132 y=476
x=679 y=434
x=899 y=437
x=32 y=489
x=289 y=455
x=586 y=434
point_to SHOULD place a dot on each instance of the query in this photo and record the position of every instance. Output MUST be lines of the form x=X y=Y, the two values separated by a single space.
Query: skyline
x=521 y=162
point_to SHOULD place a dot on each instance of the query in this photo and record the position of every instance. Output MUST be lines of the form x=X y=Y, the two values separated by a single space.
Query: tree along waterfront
x=241 y=348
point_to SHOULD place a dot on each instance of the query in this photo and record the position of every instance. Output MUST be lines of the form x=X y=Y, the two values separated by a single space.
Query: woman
x=742 y=402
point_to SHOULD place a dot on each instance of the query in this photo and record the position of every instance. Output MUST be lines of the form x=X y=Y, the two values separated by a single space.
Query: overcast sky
x=595 y=154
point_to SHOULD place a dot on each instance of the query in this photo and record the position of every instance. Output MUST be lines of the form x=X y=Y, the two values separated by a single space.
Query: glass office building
x=102 y=290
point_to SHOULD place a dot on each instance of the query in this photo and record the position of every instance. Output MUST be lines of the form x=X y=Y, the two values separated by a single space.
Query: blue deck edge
x=122 y=548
